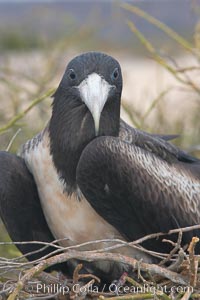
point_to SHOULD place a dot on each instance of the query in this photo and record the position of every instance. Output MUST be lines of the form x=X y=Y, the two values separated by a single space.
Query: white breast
x=66 y=216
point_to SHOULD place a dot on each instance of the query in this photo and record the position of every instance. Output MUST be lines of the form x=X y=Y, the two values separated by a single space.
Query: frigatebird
x=89 y=175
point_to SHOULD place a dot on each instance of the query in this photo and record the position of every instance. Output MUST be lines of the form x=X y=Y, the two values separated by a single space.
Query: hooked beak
x=94 y=91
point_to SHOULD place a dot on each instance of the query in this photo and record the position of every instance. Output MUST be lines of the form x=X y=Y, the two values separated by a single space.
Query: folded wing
x=141 y=188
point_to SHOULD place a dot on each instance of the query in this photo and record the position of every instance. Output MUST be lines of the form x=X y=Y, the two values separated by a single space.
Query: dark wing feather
x=130 y=133
x=20 y=207
x=157 y=144
x=138 y=191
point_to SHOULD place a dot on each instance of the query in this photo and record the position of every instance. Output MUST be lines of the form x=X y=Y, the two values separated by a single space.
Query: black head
x=86 y=104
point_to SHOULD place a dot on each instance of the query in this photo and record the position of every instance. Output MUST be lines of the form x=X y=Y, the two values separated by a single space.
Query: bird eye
x=115 y=74
x=72 y=74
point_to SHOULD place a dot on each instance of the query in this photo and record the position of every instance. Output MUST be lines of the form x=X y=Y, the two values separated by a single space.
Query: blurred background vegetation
x=156 y=42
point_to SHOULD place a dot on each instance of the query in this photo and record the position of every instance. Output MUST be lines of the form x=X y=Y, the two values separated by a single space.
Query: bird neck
x=68 y=136
x=71 y=129
x=66 y=160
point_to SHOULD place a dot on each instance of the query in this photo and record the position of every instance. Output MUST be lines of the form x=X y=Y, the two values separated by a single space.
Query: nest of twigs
x=178 y=280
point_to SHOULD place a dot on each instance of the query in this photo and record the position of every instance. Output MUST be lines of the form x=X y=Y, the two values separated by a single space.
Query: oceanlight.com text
x=115 y=289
